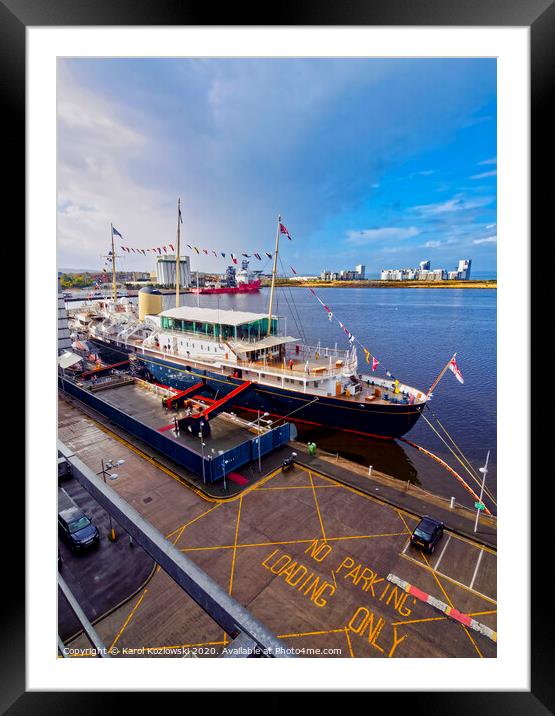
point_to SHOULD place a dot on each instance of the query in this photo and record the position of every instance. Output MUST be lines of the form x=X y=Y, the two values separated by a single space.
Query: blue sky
x=384 y=162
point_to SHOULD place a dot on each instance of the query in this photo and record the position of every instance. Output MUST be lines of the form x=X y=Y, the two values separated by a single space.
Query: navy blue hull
x=383 y=421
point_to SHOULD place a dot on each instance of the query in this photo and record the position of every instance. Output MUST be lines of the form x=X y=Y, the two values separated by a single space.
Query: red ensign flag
x=454 y=368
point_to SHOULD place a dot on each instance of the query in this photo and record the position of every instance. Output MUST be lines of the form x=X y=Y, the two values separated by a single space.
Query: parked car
x=76 y=529
x=427 y=533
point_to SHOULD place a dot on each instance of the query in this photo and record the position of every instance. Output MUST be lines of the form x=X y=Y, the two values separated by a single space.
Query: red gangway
x=194 y=421
x=188 y=392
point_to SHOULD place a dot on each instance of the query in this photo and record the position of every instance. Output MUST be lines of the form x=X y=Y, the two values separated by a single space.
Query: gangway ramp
x=199 y=422
x=187 y=393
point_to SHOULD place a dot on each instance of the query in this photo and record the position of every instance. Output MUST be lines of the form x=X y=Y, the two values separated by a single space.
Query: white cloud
x=457 y=203
x=493 y=160
x=432 y=244
x=487 y=240
x=96 y=186
x=385 y=233
x=483 y=175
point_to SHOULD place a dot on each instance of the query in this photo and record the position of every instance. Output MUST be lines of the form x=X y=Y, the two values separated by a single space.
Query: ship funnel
x=150 y=302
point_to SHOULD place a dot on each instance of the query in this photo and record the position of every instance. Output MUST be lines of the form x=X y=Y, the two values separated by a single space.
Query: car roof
x=71 y=513
x=432 y=520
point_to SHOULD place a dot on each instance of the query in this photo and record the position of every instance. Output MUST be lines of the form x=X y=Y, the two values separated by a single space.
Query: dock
x=312 y=557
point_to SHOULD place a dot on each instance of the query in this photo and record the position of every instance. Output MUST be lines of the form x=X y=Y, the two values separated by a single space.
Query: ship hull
x=380 y=421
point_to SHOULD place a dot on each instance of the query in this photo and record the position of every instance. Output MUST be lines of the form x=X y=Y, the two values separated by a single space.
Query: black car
x=76 y=529
x=427 y=534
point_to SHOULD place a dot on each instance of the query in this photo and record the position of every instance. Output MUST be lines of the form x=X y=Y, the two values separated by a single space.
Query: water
x=413 y=332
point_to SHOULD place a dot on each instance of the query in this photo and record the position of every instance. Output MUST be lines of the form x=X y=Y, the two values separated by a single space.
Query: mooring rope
x=486 y=490
x=447 y=467
x=457 y=448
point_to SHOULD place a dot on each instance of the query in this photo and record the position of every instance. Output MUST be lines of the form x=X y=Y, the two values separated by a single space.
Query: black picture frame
x=539 y=16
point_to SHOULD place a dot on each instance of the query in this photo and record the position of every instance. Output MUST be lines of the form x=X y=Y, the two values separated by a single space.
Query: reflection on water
x=384 y=455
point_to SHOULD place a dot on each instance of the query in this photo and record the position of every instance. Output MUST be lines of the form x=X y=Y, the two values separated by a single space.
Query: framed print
x=283 y=439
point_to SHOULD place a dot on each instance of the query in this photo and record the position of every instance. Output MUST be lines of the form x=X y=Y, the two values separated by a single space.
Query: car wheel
x=432 y=548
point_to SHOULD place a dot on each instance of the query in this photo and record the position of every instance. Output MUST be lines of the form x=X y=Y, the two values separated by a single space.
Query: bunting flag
x=292 y=269
x=454 y=368
x=196 y=249
x=369 y=357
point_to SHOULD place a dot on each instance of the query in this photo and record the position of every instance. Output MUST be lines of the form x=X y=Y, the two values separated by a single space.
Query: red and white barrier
x=442 y=607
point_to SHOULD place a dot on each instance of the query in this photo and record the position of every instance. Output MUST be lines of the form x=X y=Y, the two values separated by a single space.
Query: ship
x=314 y=385
x=243 y=281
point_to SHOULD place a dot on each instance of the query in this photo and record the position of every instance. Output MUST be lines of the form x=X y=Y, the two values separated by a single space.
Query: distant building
x=166 y=274
x=345 y=274
x=425 y=273
x=464 y=269
x=64 y=340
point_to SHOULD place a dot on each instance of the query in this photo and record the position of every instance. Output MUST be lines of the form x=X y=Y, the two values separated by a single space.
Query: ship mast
x=114 y=286
x=177 y=257
x=273 y=277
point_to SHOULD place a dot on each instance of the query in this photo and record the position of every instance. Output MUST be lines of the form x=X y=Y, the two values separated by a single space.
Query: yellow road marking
x=128 y=619
x=180 y=529
x=349 y=643
x=310 y=633
x=317 y=507
x=185 y=646
x=294 y=541
x=451 y=605
x=449 y=579
x=235 y=546
x=436 y=619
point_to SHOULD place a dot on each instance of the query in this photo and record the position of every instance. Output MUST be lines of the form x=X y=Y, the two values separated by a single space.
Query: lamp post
x=112 y=476
x=484 y=471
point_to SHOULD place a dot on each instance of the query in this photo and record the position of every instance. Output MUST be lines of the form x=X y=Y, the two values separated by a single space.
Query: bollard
x=369 y=470
x=452 y=504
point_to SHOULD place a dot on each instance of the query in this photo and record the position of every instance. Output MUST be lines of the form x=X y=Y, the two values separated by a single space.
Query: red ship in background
x=243 y=281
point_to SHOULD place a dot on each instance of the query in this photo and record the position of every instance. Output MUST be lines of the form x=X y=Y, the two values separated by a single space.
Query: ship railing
x=267 y=370
x=317 y=352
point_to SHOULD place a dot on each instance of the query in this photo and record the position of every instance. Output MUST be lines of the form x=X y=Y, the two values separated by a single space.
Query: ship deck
x=310 y=369
x=146 y=406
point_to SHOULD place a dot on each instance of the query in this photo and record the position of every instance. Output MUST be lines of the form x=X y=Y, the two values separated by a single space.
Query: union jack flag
x=283 y=230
